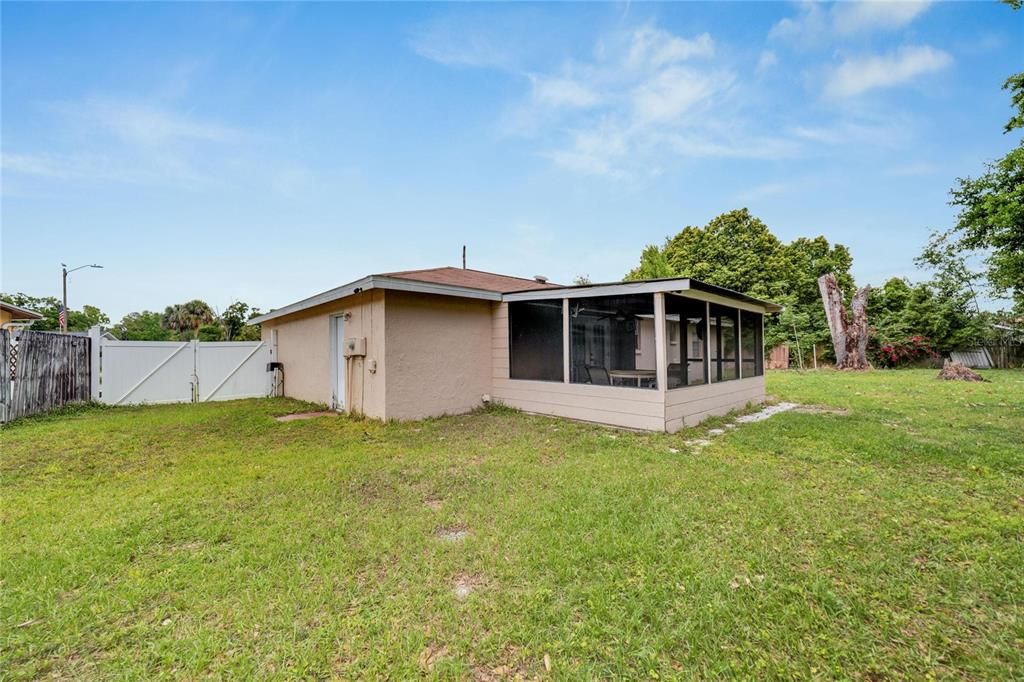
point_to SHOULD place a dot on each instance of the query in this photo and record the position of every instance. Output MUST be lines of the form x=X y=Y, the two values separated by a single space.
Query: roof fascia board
x=319 y=299
x=377 y=282
x=618 y=289
x=692 y=288
x=17 y=309
x=698 y=295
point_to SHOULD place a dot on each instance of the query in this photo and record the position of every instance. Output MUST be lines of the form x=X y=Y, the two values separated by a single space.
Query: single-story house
x=15 y=313
x=654 y=354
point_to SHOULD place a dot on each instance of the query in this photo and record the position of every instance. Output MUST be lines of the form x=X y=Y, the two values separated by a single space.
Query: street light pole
x=65 y=272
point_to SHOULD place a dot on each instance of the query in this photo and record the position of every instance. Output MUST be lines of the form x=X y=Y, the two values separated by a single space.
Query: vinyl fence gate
x=131 y=372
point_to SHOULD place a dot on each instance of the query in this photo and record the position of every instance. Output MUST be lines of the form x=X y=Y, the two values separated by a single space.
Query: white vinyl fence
x=131 y=372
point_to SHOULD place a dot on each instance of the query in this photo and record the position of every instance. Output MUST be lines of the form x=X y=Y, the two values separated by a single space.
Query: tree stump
x=954 y=371
x=849 y=336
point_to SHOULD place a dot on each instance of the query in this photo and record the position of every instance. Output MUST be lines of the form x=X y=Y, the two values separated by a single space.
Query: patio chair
x=598 y=375
x=675 y=374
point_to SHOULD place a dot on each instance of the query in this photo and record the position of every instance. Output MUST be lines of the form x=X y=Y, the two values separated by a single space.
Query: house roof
x=645 y=286
x=471 y=279
x=446 y=281
x=490 y=286
x=19 y=313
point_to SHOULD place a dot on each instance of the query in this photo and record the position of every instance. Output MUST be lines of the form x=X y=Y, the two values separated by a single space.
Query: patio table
x=632 y=375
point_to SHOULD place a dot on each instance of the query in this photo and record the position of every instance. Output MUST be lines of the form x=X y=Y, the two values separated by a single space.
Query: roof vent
x=541 y=278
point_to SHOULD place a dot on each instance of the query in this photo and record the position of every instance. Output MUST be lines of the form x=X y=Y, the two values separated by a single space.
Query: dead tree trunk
x=849 y=337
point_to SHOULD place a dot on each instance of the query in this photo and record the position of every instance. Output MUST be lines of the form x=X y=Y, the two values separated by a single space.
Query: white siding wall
x=688 y=405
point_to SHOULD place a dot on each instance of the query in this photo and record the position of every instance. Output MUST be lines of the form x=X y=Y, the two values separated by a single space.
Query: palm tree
x=186 y=318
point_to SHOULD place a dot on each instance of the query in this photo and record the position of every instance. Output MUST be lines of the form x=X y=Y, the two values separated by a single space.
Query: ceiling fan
x=619 y=315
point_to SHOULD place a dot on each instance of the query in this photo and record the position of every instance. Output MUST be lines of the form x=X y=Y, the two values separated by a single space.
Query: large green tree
x=738 y=251
x=235 y=320
x=990 y=218
x=143 y=326
x=901 y=310
x=49 y=307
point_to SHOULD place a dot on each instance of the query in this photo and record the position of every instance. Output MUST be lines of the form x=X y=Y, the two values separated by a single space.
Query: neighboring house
x=15 y=313
x=655 y=354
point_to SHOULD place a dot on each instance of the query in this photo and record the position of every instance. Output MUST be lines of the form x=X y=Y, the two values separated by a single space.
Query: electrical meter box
x=355 y=347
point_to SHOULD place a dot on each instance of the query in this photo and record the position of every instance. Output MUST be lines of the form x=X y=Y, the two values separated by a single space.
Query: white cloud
x=558 y=92
x=462 y=42
x=767 y=60
x=595 y=150
x=911 y=170
x=653 y=47
x=857 y=75
x=815 y=22
x=854 y=17
x=886 y=129
x=131 y=141
x=478 y=53
x=769 y=189
x=142 y=123
x=647 y=100
x=672 y=92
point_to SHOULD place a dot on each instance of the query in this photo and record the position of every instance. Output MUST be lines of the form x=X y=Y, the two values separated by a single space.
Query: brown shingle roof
x=20 y=313
x=472 y=279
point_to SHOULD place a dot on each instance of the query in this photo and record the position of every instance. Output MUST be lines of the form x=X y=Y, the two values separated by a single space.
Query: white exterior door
x=339 y=362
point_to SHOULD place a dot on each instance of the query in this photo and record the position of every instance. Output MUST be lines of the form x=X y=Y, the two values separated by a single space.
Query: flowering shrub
x=901 y=353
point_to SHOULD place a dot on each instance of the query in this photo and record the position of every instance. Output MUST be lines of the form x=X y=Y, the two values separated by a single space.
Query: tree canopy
x=143 y=326
x=990 y=218
x=738 y=251
x=49 y=307
x=185 y=319
x=901 y=310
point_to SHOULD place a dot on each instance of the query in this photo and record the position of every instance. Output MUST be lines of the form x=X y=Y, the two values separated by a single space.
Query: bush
x=210 y=332
x=912 y=350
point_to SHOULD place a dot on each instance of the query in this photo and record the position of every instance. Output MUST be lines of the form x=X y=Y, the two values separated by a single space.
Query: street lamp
x=66 y=272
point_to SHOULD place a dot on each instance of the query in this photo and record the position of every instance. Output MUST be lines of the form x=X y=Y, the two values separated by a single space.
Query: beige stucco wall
x=304 y=346
x=438 y=354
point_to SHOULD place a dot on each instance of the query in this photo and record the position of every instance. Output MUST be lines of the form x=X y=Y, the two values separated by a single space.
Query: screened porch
x=611 y=345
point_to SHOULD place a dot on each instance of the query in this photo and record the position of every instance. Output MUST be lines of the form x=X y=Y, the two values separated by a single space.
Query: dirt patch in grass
x=466 y=584
x=305 y=415
x=430 y=655
x=452 y=533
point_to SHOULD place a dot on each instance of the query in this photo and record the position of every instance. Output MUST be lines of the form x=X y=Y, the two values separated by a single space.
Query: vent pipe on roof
x=463 y=256
x=541 y=278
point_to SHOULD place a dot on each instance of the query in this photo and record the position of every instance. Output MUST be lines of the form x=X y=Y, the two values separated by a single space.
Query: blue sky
x=266 y=152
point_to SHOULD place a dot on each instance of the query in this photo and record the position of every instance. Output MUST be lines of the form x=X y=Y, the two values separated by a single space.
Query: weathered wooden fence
x=5 y=373
x=50 y=370
x=778 y=358
x=1007 y=355
x=997 y=356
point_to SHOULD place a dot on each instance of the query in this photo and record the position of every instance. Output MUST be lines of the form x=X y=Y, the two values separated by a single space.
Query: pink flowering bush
x=909 y=351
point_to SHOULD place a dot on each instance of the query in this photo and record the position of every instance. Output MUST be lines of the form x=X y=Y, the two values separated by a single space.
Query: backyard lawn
x=886 y=541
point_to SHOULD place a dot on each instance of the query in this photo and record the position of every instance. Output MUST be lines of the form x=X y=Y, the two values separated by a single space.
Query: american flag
x=62 y=318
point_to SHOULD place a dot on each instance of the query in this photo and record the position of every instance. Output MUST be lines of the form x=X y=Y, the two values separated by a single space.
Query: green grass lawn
x=187 y=541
